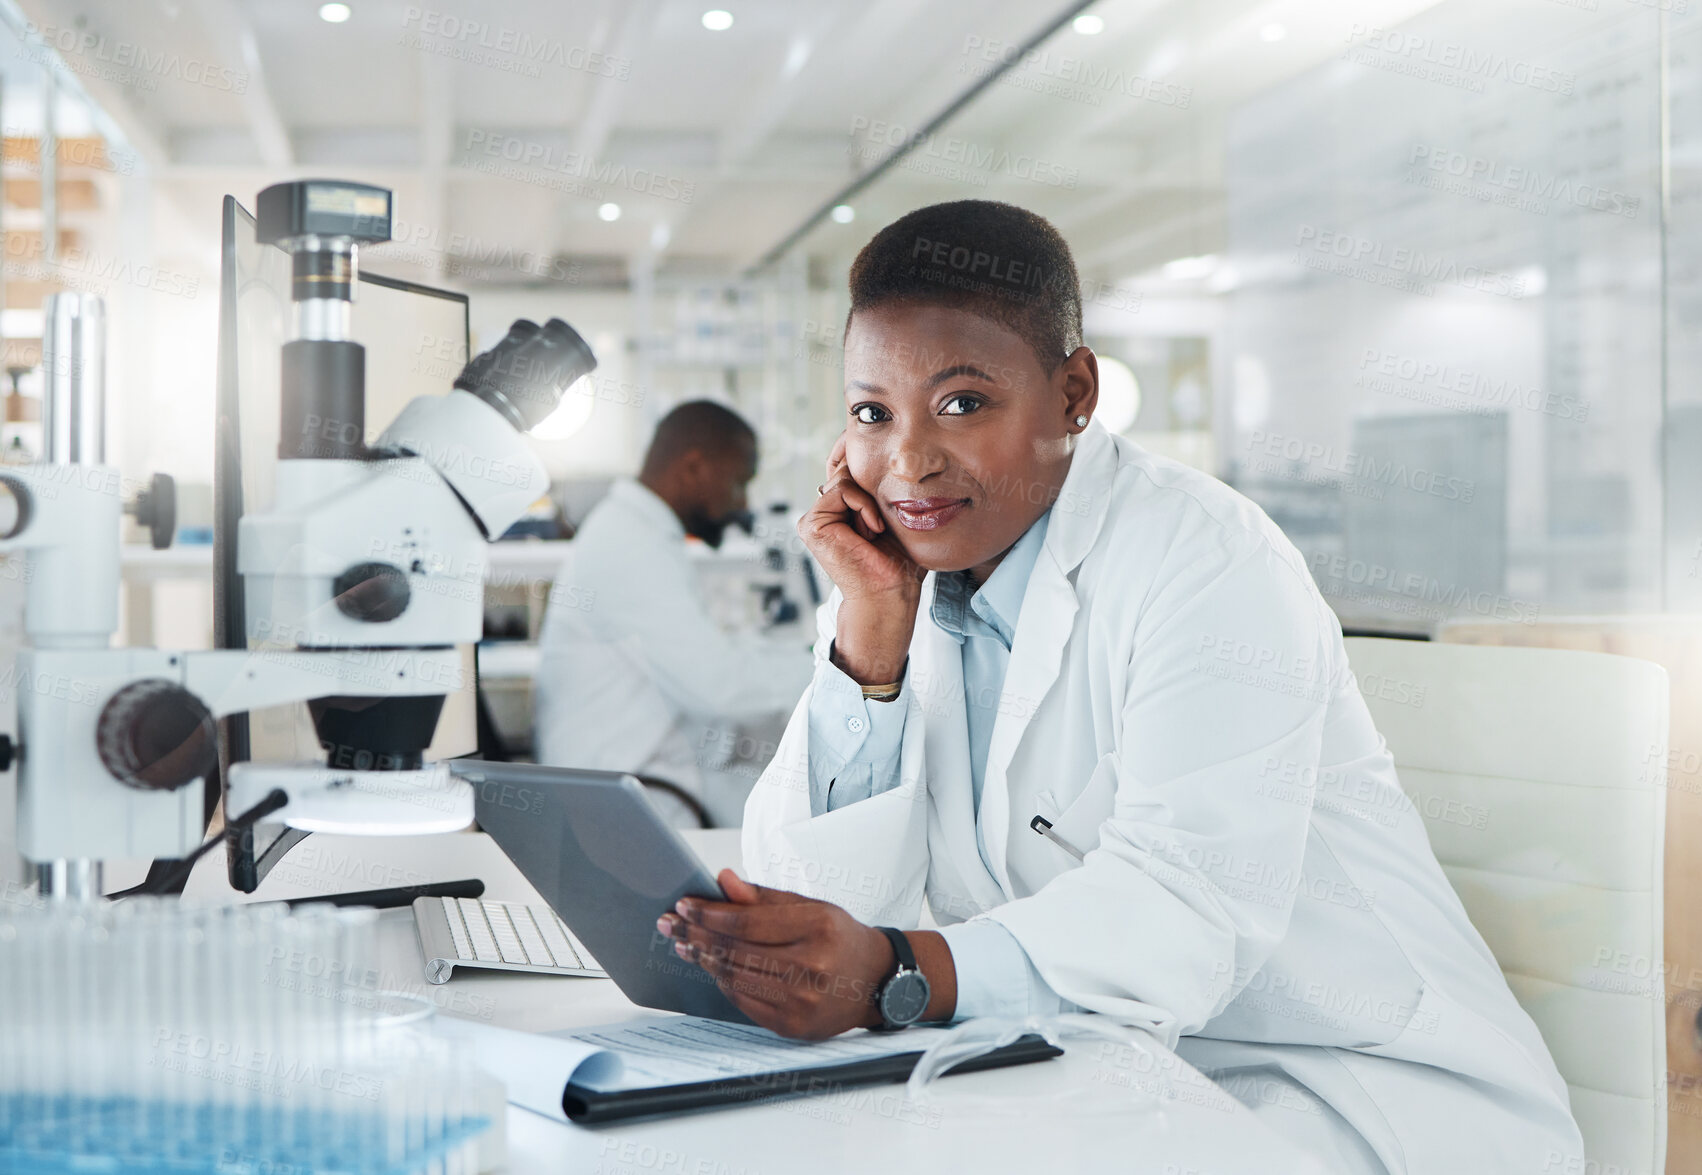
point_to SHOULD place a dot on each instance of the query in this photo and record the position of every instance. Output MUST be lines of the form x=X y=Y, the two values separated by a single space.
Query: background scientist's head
x=964 y=375
x=699 y=462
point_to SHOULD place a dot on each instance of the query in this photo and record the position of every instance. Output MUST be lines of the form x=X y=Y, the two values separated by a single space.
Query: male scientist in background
x=633 y=670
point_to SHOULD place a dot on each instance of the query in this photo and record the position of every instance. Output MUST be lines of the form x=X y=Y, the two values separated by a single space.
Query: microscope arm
x=232 y=681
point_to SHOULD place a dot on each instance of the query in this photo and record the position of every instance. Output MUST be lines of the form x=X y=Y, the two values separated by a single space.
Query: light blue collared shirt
x=979 y=624
x=854 y=754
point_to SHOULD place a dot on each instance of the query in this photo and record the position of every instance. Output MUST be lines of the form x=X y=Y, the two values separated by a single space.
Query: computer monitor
x=416 y=340
x=1424 y=519
x=1682 y=473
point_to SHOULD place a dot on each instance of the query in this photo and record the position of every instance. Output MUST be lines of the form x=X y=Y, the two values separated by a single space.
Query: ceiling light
x=334 y=13
x=797 y=56
x=1088 y=25
x=1272 y=33
x=1224 y=279
x=844 y=214
x=718 y=20
x=609 y=211
x=1190 y=268
x=1532 y=281
x=1119 y=394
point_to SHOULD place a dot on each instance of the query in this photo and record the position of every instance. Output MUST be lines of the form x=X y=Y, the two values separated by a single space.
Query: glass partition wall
x=1424 y=280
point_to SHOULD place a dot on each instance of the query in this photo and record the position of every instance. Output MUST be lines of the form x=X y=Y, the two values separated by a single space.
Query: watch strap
x=904 y=964
x=900 y=948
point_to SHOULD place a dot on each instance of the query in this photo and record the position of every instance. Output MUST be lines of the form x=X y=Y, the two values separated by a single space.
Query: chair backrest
x=1540 y=774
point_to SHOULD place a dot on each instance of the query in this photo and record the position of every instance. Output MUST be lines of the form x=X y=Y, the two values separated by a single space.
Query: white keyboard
x=500 y=936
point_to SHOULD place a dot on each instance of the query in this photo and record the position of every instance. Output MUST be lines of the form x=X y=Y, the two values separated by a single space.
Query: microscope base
x=369 y=803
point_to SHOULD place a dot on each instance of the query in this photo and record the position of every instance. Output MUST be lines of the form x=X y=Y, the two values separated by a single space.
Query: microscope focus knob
x=154 y=735
x=371 y=592
x=156 y=509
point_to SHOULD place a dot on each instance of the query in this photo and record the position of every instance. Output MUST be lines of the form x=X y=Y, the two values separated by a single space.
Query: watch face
x=904 y=998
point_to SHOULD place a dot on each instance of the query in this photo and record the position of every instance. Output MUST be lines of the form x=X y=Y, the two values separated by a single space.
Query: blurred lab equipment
x=355 y=577
x=635 y=673
x=145 y=1035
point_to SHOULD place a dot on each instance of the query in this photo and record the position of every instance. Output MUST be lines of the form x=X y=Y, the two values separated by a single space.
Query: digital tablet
x=603 y=858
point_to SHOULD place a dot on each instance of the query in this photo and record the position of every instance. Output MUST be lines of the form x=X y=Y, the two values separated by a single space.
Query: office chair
x=1567 y=750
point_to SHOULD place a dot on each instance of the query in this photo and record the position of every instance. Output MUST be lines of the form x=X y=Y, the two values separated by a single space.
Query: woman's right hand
x=844 y=530
x=881 y=584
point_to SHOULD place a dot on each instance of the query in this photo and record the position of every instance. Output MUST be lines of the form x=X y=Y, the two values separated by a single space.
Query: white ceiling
x=760 y=123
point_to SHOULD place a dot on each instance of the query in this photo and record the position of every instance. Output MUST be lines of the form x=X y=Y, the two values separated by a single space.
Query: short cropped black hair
x=697 y=424
x=992 y=259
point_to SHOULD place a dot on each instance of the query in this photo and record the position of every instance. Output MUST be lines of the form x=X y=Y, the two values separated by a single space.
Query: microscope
x=350 y=583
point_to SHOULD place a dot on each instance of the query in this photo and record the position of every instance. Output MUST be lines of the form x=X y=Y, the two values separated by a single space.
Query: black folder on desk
x=591 y=1106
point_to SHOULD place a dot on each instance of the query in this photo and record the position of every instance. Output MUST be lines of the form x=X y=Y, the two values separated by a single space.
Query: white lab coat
x=634 y=674
x=1179 y=705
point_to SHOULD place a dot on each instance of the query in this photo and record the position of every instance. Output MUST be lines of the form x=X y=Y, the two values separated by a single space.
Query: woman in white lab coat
x=1034 y=618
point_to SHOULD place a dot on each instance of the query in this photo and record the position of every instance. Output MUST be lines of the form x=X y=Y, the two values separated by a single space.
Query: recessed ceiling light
x=844 y=214
x=334 y=13
x=1119 y=394
x=609 y=211
x=718 y=20
x=1190 y=268
x=1272 y=33
x=1088 y=25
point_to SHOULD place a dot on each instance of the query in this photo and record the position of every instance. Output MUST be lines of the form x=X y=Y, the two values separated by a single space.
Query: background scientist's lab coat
x=634 y=674
x=1256 y=888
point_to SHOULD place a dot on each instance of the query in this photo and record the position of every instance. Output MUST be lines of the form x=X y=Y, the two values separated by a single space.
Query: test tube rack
x=144 y=1036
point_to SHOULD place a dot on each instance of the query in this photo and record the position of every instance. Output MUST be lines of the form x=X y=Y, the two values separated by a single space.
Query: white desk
x=1197 y=1130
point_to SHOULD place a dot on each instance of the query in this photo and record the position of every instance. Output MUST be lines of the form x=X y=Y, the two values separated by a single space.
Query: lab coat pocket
x=1338 y=977
x=1077 y=823
x=1045 y=816
x=1080 y=820
x=1046 y=805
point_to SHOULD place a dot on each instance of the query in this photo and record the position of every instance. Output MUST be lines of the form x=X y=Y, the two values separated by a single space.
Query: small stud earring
x=1081 y=422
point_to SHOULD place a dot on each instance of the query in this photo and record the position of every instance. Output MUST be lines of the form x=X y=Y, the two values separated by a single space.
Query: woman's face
x=956 y=430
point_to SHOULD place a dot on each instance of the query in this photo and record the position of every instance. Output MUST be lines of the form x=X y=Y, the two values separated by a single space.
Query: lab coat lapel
x=936 y=680
x=1043 y=628
x=1048 y=614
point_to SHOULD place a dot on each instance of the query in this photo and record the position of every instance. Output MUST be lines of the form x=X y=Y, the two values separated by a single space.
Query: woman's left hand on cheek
x=801 y=967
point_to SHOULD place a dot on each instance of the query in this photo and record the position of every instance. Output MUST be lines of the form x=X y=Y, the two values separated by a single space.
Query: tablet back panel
x=591 y=844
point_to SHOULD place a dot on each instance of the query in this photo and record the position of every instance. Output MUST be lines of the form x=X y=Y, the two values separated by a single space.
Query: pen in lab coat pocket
x=1044 y=827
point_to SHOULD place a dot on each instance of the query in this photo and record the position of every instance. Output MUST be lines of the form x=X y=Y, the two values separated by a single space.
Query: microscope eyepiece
x=523 y=376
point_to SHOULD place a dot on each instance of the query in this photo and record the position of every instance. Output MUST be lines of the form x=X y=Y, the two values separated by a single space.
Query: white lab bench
x=1192 y=1126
